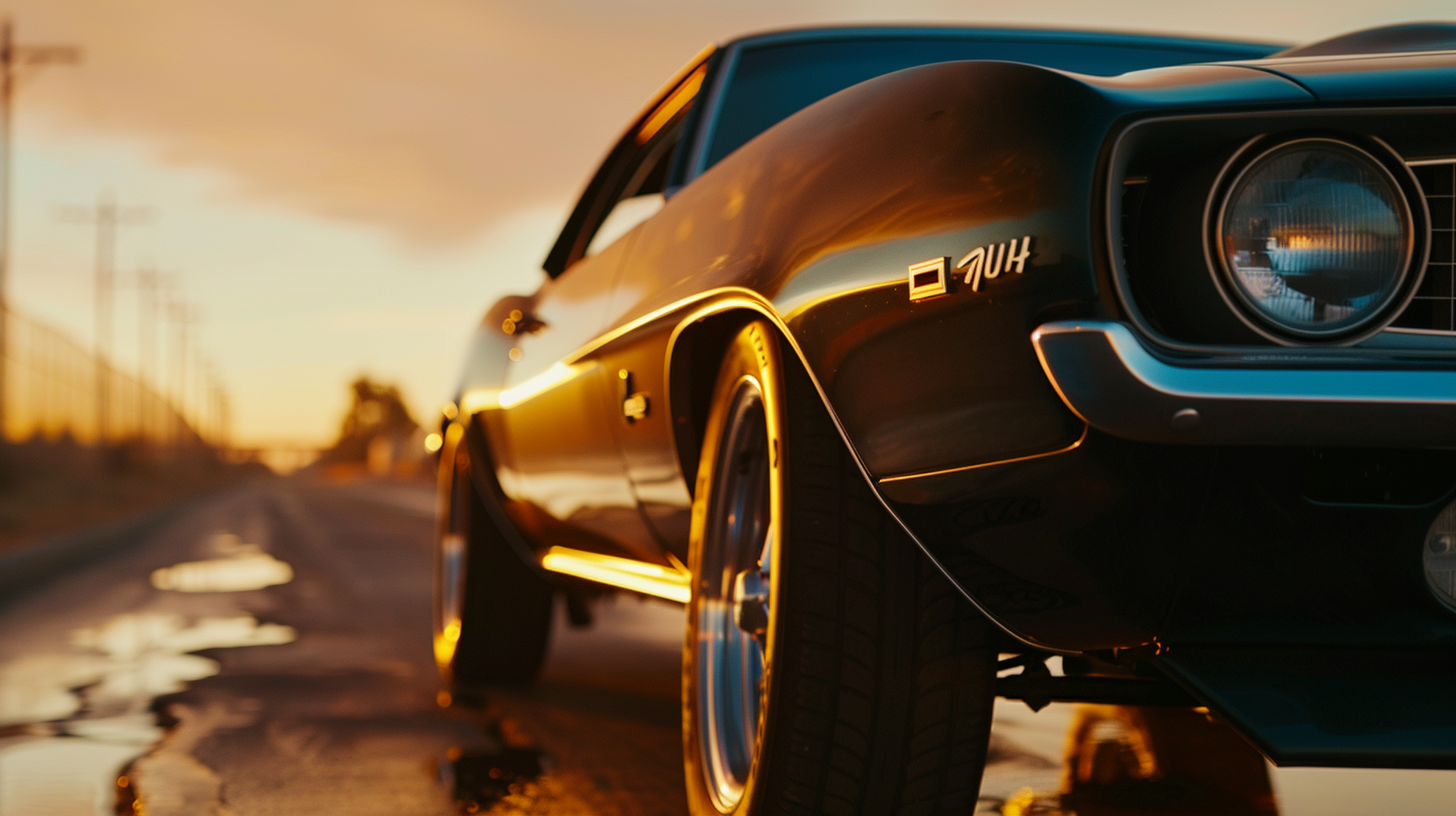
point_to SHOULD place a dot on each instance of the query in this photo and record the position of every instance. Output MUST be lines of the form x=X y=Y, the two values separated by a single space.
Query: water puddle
x=505 y=769
x=72 y=721
x=244 y=567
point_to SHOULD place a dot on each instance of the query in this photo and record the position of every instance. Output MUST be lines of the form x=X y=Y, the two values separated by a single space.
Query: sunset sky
x=343 y=186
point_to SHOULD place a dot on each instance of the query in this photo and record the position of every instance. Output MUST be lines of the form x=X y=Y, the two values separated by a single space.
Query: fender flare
x=735 y=306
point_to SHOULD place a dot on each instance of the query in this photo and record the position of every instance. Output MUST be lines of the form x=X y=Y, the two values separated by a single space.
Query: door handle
x=635 y=404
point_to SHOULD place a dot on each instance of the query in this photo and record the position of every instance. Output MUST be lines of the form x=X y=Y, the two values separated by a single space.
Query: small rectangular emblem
x=928 y=278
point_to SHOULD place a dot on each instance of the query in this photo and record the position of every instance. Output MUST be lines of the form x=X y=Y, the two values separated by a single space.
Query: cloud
x=433 y=118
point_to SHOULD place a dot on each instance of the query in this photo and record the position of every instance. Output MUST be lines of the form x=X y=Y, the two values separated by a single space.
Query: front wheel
x=828 y=666
x=492 y=611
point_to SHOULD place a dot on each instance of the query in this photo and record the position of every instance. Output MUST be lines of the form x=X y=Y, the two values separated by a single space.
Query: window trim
x=592 y=208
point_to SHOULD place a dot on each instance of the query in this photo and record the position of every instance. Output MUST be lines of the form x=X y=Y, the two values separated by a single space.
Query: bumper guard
x=1110 y=379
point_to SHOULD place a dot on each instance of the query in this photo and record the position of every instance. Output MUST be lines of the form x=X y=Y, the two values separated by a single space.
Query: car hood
x=1380 y=78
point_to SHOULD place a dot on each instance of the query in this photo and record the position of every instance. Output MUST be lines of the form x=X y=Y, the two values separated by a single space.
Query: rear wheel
x=828 y=666
x=492 y=611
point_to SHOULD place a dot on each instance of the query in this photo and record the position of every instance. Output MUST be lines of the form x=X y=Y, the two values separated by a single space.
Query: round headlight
x=1315 y=238
x=1440 y=558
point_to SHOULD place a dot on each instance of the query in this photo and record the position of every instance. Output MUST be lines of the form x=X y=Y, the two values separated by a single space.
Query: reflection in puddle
x=1101 y=760
x=1093 y=760
x=77 y=718
x=149 y=652
x=59 y=776
x=131 y=658
x=71 y=722
x=480 y=778
x=1124 y=759
x=243 y=568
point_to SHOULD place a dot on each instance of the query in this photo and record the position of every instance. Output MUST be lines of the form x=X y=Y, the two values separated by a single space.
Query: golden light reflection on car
x=662 y=582
x=452 y=552
x=679 y=99
x=557 y=374
x=478 y=399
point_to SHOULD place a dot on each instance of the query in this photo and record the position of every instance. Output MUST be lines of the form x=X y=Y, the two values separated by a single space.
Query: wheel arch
x=694 y=352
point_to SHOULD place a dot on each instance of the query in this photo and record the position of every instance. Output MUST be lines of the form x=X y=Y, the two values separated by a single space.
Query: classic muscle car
x=911 y=358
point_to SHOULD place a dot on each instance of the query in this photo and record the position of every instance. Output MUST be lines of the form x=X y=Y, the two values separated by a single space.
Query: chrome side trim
x=650 y=579
x=1107 y=376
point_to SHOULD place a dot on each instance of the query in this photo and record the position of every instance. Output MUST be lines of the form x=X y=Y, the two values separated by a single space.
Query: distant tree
x=377 y=411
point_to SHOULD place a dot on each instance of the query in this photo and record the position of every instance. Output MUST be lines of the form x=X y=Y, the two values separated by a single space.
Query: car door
x=562 y=407
x=557 y=461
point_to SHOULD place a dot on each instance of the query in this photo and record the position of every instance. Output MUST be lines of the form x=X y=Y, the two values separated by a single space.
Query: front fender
x=817 y=222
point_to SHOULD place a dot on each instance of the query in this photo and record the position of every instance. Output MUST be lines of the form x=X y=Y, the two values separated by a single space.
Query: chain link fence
x=54 y=389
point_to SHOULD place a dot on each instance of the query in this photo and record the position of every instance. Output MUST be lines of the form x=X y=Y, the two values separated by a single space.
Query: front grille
x=1434 y=306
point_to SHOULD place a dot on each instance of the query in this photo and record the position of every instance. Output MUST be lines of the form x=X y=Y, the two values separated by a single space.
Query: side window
x=640 y=199
x=629 y=188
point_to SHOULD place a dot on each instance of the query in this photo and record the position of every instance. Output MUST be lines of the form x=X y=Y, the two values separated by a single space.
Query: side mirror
x=512 y=315
x=491 y=344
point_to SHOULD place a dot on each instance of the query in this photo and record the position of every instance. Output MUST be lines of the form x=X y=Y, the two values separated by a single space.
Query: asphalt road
x=266 y=651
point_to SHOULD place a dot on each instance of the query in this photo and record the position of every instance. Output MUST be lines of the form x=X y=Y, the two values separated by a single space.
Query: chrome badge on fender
x=933 y=277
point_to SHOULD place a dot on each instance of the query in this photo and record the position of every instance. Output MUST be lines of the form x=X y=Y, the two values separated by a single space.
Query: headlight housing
x=1314 y=240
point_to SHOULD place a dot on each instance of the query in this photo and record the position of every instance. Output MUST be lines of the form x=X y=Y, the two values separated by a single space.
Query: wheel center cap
x=750 y=603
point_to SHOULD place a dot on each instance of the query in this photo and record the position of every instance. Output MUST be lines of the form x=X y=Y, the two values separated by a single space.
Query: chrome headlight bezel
x=1411 y=212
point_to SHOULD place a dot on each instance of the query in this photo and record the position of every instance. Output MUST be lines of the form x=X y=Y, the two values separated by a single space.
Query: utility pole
x=147 y=284
x=15 y=59
x=107 y=216
x=224 y=419
x=208 y=401
x=184 y=316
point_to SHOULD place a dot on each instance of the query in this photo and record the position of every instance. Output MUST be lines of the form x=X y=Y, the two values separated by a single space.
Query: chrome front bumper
x=1109 y=378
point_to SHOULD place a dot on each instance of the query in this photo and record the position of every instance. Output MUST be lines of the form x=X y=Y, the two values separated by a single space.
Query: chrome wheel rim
x=450 y=573
x=450 y=578
x=732 y=604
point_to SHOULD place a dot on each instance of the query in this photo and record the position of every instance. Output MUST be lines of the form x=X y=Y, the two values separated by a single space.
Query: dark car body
x=1102 y=456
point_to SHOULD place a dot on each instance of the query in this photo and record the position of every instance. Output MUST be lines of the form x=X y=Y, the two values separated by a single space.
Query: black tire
x=492 y=611
x=879 y=681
